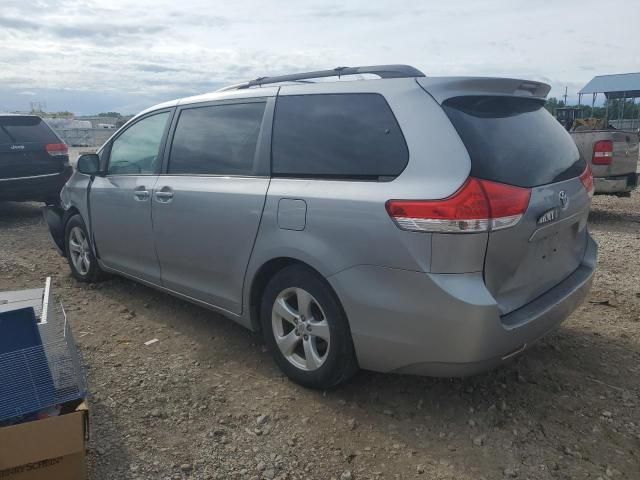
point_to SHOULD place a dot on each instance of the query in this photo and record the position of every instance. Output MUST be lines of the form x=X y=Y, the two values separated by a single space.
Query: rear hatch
x=28 y=147
x=513 y=140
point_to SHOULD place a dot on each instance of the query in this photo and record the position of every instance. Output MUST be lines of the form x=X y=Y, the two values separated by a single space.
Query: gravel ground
x=206 y=401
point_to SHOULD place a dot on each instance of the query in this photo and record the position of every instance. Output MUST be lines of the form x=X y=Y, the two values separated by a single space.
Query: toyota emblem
x=564 y=198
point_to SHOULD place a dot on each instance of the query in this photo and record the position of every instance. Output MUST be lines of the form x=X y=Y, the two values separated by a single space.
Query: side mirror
x=89 y=164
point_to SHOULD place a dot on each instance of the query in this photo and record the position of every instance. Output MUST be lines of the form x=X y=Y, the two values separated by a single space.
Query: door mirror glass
x=89 y=164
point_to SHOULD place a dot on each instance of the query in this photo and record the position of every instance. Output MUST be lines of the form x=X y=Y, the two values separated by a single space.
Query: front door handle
x=141 y=194
x=164 y=195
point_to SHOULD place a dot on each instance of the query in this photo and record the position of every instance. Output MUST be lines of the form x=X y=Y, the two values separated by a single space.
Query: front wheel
x=82 y=261
x=306 y=329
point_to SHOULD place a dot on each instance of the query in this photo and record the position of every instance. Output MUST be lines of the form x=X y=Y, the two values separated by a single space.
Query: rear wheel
x=82 y=261
x=306 y=330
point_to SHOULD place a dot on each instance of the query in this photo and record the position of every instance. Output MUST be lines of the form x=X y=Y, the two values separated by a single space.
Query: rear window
x=25 y=130
x=351 y=136
x=514 y=140
x=4 y=137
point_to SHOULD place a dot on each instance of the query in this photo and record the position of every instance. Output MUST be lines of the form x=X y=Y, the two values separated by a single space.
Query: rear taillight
x=478 y=206
x=587 y=180
x=57 y=149
x=602 y=152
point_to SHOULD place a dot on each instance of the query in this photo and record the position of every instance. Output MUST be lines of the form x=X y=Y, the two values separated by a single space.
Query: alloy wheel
x=300 y=329
x=79 y=250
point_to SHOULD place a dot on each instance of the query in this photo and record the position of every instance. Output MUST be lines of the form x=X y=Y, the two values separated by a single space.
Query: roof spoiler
x=442 y=88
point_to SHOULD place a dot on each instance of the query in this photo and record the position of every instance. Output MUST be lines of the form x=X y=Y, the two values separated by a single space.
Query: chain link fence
x=84 y=137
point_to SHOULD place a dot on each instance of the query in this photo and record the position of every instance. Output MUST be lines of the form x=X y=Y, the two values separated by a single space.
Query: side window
x=137 y=149
x=217 y=140
x=337 y=136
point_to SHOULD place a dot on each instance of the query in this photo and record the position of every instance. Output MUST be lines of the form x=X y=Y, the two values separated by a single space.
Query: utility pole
x=38 y=107
x=565 y=96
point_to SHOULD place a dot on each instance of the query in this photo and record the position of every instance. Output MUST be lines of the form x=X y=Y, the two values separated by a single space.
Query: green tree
x=63 y=114
x=616 y=109
x=552 y=104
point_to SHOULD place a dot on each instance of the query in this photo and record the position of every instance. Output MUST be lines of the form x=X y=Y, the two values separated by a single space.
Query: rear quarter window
x=514 y=140
x=349 y=136
x=26 y=130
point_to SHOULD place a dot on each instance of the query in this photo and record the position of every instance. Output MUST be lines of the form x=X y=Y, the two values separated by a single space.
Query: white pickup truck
x=613 y=155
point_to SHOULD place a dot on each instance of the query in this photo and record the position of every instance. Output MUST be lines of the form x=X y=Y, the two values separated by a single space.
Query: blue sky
x=89 y=56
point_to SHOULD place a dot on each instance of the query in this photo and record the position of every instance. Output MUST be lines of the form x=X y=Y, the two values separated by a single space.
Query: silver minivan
x=412 y=224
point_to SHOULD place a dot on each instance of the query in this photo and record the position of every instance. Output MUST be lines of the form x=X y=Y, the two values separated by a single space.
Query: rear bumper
x=447 y=324
x=35 y=188
x=617 y=184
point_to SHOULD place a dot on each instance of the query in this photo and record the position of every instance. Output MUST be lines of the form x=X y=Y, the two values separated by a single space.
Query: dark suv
x=34 y=161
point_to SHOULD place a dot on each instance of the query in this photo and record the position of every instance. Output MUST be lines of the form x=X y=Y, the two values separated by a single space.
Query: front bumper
x=618 y=184
x=37 y=188
x=447 y=324
x=55 y=219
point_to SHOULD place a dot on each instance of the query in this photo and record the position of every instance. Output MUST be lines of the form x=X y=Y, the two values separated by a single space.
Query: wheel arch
x=68 y=214
x=262 y=276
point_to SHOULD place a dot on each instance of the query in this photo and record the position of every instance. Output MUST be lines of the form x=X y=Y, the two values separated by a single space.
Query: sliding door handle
x=141 y=195
x=164 y=195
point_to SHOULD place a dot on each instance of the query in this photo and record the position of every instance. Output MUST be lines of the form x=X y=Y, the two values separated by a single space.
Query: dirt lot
x=206 y=401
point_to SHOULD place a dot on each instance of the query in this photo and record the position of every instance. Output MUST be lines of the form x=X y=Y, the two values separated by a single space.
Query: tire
x=306 y=329
x=83 y=263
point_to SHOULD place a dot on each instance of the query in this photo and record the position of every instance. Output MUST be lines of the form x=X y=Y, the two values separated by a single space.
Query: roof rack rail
x=383 y=71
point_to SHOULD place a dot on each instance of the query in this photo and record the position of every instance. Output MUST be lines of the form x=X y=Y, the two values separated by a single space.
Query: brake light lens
x=57 y=149
x=587 y=180
x=602 y=152
x=478 y=206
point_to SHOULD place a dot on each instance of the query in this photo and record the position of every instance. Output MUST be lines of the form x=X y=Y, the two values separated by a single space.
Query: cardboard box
x=51 y=449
